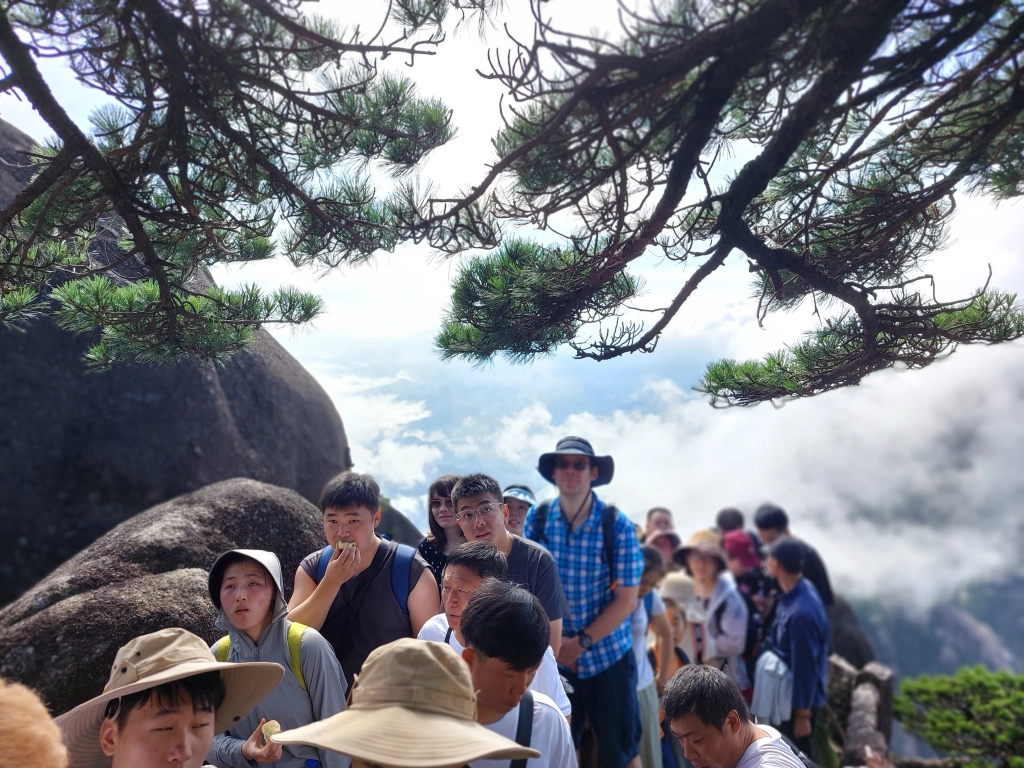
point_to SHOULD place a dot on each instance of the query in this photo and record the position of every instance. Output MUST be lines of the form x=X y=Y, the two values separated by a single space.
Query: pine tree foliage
x=234 y=131
x=865 y=120
x=975 y=714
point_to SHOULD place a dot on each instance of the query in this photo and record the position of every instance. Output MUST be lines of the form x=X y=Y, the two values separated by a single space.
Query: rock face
x=846 y=637
x=146 y=574
x=84 y=451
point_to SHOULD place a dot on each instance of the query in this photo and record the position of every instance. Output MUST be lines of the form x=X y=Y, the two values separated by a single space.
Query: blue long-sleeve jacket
x=799 y=635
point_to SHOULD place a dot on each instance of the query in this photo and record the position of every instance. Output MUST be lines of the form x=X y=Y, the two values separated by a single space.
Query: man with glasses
x=481 y=512
x=600 y=563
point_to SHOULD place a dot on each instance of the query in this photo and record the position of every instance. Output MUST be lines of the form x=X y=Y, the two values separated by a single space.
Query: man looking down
x=507 y=635
x=709 y=717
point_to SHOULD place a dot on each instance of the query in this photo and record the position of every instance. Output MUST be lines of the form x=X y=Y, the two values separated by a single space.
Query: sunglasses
x=579 y=465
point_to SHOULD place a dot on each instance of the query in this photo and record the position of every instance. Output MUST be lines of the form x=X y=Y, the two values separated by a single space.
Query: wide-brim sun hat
x=577 y=446
x=412 y=706
x=151 y=660
x=706 y=542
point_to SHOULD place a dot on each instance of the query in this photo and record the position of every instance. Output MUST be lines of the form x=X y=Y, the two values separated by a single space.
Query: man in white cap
x=600 y=564
x=412 y=706
x=166 y=698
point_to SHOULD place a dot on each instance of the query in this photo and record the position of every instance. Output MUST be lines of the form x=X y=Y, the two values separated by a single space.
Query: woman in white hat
x=166 y=698
x=412 y=706
x=247 y=587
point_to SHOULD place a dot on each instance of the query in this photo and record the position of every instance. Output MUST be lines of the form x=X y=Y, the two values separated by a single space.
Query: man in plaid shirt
x=596 y=653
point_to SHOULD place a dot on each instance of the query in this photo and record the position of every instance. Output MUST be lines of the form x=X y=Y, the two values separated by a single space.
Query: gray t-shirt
x=533 y=568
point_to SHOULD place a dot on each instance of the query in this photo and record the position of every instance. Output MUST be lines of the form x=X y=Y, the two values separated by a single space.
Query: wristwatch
x=586 y=642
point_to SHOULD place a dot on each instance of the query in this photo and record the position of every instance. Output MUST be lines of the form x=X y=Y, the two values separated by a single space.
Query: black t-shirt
x=533 y=568
x=433 y=553
x=365 y=613
x=814 y=572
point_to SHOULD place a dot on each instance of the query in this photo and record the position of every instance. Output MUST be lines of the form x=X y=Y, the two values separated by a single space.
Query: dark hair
x=706 y=692
x=481 y=557
x=472 y=485
x=350 y=489
x=729 y=519
x=441 y=487
x=652 y=558
x=771 y=517
x=229 y=560
x=206 y=692
x=506 y=622
x=655 y=510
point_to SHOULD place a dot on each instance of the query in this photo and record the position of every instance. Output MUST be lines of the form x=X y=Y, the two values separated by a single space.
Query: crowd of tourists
x=518 y=634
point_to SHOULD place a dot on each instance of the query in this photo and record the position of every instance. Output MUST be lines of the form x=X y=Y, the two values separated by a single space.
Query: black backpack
x=607 y=531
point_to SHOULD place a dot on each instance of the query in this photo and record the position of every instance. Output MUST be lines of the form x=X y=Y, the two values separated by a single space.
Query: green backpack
x=295 y=631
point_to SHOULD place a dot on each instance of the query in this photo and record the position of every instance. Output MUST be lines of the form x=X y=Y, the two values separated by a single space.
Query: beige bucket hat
x=706 y=542
x=152 y=660
x=412 y=706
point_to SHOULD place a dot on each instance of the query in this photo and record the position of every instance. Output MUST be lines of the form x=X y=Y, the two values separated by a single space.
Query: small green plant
x=976 y=713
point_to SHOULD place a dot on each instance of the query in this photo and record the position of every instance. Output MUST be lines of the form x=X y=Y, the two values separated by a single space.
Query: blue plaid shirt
x=586 y=578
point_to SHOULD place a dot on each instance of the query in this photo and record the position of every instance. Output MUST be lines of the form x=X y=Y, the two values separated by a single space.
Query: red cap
x=740 y=546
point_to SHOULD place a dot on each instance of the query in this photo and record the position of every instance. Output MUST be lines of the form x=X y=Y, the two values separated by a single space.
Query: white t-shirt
x=771 y=752
x=551 y=736
x=638 y=624
x=546 y=680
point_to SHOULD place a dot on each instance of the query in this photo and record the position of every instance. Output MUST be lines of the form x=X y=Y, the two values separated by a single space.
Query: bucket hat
x=412 y=706
x=267 y=559
x=151 y=660
x=671 y=535
x=579 y=447
x=679 y=587
x=702 y=541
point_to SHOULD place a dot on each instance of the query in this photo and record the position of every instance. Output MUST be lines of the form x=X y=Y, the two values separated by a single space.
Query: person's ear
x=505 y=514
x=376 y=518
x=108 y=736
x=594 y=472
x=469 y=656
x=733 y=721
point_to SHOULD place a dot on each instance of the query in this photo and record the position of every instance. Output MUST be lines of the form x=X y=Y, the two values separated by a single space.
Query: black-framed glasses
x=580 y=465
x=483 y=512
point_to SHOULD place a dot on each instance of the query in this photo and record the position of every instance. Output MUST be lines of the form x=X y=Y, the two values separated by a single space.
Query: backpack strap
x=321 y=565
x=223 y=648
x=295 y=631
x=541 y=522
x=448 y=636
x=649 y=604
x=524 y=730
x=400 y=571
x=681 y=655
x=608 y=534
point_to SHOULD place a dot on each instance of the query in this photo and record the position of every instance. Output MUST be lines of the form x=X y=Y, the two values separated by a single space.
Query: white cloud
x=908 y=485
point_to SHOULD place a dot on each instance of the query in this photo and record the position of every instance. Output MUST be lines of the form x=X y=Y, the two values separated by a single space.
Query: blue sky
x=912 y=472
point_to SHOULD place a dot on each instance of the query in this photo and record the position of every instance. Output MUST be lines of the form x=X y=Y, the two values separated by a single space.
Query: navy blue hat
x=579 y=447
x=789 y=552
